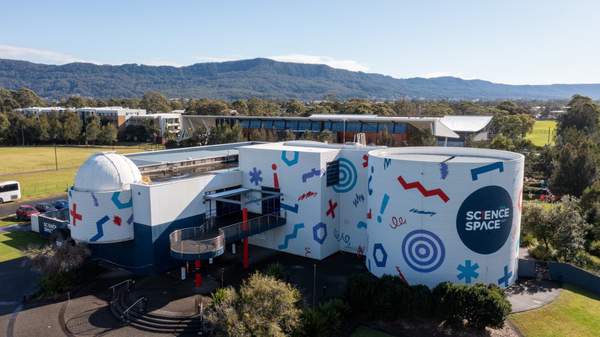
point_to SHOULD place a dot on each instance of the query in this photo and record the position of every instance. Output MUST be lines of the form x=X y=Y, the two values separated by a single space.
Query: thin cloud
x=35 y=55
x=330 y=61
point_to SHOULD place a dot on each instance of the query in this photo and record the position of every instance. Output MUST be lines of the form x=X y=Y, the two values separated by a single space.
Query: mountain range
x=259 y=77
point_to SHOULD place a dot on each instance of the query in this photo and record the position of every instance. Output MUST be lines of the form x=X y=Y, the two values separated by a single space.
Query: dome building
x=100 y=201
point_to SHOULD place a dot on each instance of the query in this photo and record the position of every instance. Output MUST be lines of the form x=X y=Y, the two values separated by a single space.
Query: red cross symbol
x=331 y=210
x=117 y=220
x=75 y=216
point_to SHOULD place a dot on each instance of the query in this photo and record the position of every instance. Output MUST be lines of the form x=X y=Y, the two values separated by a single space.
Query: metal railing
x=204 y=239
x=256 y=225
x=143 y=301
x=196 y=240
x=115 y=287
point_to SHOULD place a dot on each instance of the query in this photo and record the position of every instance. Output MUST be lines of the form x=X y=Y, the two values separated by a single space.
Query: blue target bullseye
x=423 y=251
x=348 y=176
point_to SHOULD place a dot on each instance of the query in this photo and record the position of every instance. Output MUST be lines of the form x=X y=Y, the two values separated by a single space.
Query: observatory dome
x=106 y=172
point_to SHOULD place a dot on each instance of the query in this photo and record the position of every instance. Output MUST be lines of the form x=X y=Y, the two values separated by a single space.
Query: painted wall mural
x=101 y=217
x=456 y=219
x=337 y=213
x=427 y=220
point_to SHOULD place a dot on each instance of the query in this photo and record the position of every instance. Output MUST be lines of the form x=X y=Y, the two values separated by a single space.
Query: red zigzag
x=426 y=193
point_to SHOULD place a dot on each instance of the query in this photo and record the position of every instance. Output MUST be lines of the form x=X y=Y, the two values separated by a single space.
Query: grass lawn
x=540 y=132
x=12 y=244
x=20 y=163
x=573 y=314
x=9 y=221
x=366 y=332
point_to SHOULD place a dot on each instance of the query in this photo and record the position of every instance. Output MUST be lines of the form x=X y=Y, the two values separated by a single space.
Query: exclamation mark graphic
x=384 y=203
x=275 y=176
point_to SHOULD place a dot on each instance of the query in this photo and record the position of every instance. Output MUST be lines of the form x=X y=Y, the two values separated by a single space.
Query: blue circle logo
x=423 y=251
x=484 y=219
x=348 y=176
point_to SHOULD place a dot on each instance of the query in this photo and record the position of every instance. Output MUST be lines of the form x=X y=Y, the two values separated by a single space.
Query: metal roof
x=466 y=123
x=144 y=159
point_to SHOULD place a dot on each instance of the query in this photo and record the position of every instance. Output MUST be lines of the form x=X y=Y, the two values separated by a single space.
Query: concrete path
x=531 y=294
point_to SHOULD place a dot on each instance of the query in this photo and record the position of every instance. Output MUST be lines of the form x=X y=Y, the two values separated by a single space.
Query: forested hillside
x=262 y=78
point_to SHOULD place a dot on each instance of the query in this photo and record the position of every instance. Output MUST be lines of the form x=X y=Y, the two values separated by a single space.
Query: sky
x=504 y=41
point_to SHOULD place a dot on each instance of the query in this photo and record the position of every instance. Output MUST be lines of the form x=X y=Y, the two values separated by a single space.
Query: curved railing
x=196 y=243
x=203 y=242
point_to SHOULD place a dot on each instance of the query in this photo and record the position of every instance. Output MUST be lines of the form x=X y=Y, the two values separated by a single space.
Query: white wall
x=101 y=217
x=179 y=198
x=439 y=253
x=312 y=232
x=296 y=237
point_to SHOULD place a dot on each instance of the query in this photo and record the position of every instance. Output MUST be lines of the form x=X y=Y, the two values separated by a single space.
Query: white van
x=10 y=191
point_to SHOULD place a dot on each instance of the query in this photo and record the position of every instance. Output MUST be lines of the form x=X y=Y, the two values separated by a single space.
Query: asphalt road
x=10 y=208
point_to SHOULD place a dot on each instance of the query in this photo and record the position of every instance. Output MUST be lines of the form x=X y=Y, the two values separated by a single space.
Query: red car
x=24 y=212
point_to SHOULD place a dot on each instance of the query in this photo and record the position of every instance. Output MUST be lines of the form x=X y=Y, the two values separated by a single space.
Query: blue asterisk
x=468 y=271
x=255 y=176
x=504 y=279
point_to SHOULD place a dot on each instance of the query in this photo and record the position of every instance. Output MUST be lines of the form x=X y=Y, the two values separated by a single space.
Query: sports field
x=573 y=314
x=543 y=133
x=35 y=166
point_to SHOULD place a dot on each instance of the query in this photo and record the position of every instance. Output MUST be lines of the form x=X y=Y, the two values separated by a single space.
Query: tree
x=4 y=127
x=154 y=102
x=568 y=228
x=71 y=127
x=419 y=137
x=535 y=220
x=512 y=108
x=294 y=107
x=28 y=98
x=108 y=134
x=512 y=126
x=44 y=131
x=264 y=306
x=582 y=114
x=325 y=136
x=289 y=135
x=385 y=138
x=7 y=101
x=77 y=102
x=575 y=165
x=92 y=130
x=240 y=106
x=208 y=107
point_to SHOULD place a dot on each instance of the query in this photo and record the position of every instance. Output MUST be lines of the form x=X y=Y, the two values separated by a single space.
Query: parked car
x=44 y=207
x=24 y=212
x=60 y=204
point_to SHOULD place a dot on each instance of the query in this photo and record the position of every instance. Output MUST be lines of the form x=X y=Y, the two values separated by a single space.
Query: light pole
x=55 y=156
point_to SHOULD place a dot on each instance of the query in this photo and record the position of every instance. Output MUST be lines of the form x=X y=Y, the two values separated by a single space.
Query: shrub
x=361 y=293
x=326 y=320
x=275 y=270
x=480 y=305
x=595 y=248
x=540 y=252
x=421 y=301
x=56 y=283
x=58 y=259
x=528 y=240
x=264 y=306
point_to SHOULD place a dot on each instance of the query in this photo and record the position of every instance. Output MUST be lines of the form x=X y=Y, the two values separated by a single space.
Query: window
x=333 y=173
x=9 y=187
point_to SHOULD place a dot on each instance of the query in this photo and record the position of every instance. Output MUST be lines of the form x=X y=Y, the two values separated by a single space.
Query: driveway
x=10 y=208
